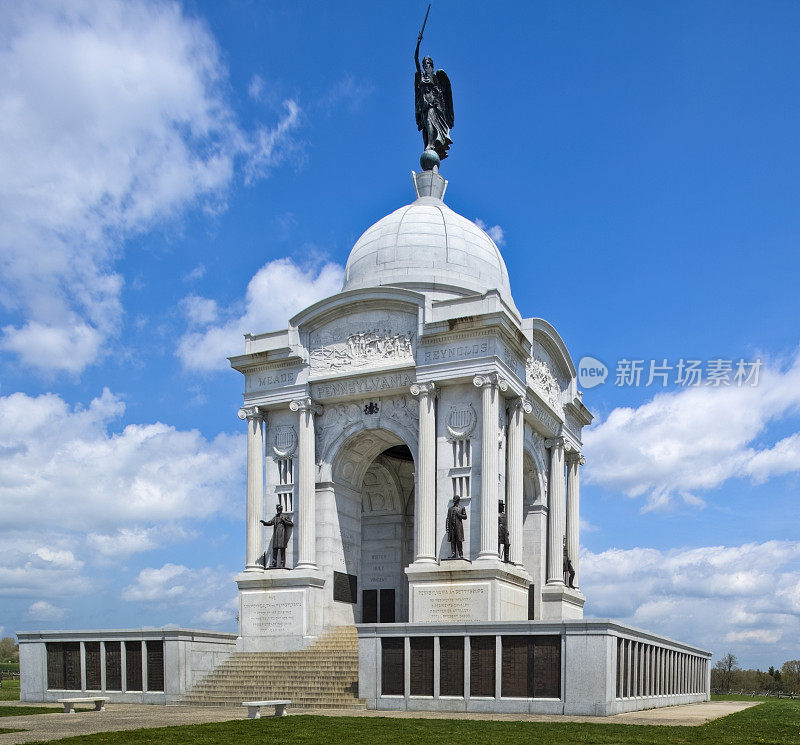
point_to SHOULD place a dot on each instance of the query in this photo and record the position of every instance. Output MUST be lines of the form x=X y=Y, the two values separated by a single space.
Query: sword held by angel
x=433 y=100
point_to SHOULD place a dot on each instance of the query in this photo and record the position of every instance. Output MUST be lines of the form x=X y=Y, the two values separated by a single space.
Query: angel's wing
x=418 y=99
x=444 y=86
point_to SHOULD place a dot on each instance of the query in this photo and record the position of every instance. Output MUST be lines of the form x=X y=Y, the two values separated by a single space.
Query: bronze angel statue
x=434 y=104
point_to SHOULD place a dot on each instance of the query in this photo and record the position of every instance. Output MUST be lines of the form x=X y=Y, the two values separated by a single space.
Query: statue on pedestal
x=280 y=537
x=433 y=103
x=455 y=528
x=503 y=543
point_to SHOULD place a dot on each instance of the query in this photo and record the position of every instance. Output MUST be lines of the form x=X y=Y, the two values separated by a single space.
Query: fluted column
x=555 y=513
x=425 y=503
x=514 y=464
x=491 y=385
x=574 y=461
x=255 y=484
x=307 y=526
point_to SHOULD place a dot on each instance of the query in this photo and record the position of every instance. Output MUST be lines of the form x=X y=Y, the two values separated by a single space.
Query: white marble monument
x=419 y=381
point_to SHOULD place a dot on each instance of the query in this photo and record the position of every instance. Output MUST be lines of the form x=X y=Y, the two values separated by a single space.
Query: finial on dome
x=429 y=184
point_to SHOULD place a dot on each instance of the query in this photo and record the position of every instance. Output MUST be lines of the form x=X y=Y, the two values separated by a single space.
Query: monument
x=422 y=442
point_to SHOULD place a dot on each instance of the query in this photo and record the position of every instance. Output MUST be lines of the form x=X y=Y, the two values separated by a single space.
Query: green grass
x=5 y=730
x=770 y=723
x=24 y=711
x=9 y=690
x=9 y=667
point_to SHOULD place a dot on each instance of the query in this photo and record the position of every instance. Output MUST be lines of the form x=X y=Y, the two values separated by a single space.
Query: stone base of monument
x=459 y=591
x=559 y=601
x=280 y=610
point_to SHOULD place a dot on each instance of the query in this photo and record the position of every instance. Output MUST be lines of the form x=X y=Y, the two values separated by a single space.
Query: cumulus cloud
x=278 y=290
x=114 y=118
x=684 y=442
x=712 y=596
x=41 y=610
x=495 y=232
x=63 y=461
x=207 y=594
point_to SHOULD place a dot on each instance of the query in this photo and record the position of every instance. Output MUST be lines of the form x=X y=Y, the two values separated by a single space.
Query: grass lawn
x=24 y=711
x=4 y=731
x=9 y=690
x=771 y=723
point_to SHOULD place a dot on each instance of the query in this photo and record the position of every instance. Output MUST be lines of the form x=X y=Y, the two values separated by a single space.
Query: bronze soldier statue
x=569 y=570
x=455 y=528
x=502 y=531
x=280 y=537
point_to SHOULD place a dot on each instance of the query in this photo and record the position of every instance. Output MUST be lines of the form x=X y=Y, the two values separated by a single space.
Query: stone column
x=574 y=461
x=514 y=465
x=555 y=513
x=255 y=484
x=307 y=525
x=425 y=507
x=490 y=467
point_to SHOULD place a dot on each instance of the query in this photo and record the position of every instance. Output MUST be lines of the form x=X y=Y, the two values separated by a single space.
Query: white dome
x=427 y=246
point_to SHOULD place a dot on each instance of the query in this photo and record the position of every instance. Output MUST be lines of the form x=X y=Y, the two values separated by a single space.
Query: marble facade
x=417 y=382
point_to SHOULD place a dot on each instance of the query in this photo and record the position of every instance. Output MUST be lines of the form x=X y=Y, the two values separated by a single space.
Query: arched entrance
x=373 y=484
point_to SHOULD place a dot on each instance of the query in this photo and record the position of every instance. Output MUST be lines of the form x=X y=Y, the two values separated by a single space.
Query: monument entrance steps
x=322 y=676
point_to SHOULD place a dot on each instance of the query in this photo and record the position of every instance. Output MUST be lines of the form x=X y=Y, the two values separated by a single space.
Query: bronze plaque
x=113 y=666
x=547 y=667
x=387 y=606
x=481 y=666
x=392 y=666
x=55 y=666
x=514 y=683
x=155 y=665
x=72 y=666
x=369 y=606
x=92 y=665
x=133 y=665
x=422 y=666
x=345 y=588
x=451 y=666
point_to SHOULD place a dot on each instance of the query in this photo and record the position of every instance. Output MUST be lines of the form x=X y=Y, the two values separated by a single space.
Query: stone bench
x=69 y=703
x=254 y=708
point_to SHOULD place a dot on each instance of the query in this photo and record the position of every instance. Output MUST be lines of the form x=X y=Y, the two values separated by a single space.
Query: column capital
x=492 y=380
x=519 y=403
x=555 y=442
x=423 y=389
x=305 y=404
x=250 y=412
x=576 y=457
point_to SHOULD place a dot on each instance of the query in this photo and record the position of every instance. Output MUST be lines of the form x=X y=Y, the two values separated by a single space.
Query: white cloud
x=176 y=584
x=196 y=274
x=127 y=541
x=41 y=610
x=63 y=462
x=278 y=290
x=113 y=117
x=694 y=439
x=713 y=596
x=495 y=232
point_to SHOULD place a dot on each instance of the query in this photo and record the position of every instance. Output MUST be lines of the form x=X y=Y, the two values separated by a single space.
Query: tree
x=724 y=671
x=9 y=651
x=790 y=673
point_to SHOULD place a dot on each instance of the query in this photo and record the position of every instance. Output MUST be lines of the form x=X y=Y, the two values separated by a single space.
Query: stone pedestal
x=279 y=609
x=457 y=591
x=560 y=602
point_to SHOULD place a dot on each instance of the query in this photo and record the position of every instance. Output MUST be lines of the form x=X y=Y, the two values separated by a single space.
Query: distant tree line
x=9 y=650
x=727 y=677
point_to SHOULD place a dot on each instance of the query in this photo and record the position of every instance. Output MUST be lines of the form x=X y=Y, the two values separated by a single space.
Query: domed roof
x=427 y=246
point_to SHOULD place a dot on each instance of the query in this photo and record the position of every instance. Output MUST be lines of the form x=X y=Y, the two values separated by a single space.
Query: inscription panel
x=270 y=379
x=361 y=386
x=451 y=603
x=273 y=613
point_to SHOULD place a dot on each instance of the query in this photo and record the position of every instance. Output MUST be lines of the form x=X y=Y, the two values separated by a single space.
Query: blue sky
x=169 y=171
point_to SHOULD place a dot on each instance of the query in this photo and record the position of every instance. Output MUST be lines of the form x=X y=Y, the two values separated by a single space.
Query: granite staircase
x=322 y=676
